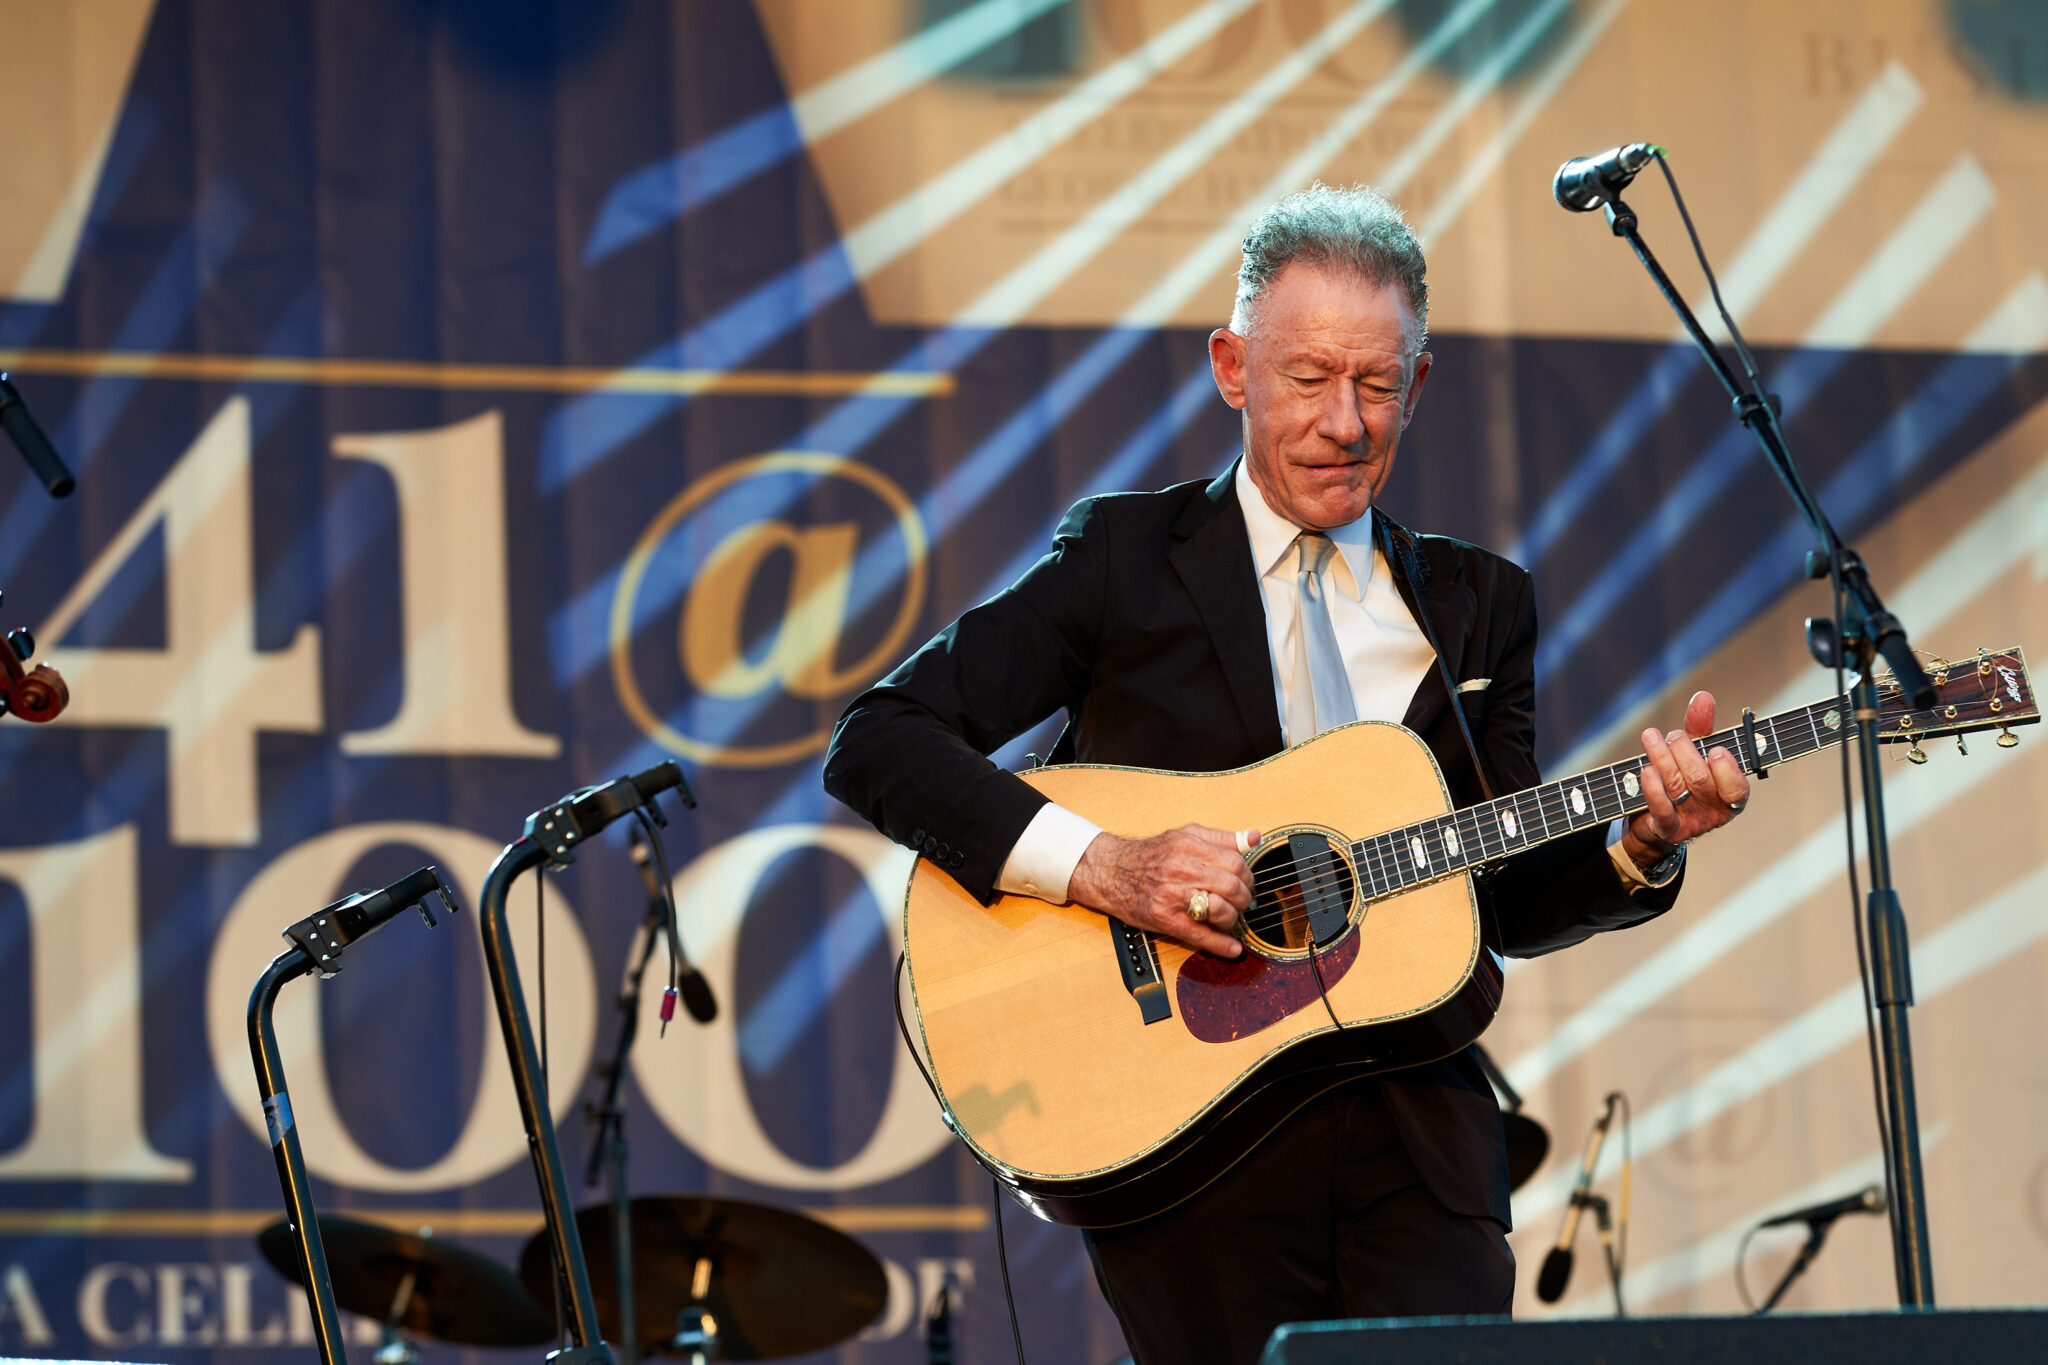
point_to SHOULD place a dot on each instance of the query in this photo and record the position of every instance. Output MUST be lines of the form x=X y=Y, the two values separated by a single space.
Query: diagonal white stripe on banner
x=2018 y=326
x=861 y=89
x=1916 y=248
x=894 y=230
x=1836 y=167
x=1482 y=166
x=1056 y=262
x=1165 y=299
x=1993 y=933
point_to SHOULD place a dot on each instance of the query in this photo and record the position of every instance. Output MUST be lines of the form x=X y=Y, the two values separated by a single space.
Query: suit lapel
x=1213 y=557
x=1453 y=610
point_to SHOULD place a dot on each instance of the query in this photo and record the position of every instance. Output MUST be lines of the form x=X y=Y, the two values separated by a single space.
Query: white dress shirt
x=1386 y=657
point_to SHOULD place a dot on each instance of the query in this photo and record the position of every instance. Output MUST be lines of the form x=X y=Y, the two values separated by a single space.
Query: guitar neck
x=1443 y=845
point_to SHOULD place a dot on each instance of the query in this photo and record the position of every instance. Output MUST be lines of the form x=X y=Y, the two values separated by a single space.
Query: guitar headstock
x=1990 y=691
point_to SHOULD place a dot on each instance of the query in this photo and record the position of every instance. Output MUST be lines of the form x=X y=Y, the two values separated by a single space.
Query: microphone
x=1869 y=1199
x=690 y=983
x=29 y=440
x=1557 y=1266
x=1586 y=182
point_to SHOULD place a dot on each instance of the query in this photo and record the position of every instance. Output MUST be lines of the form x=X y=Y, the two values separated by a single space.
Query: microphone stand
x=1864 y=630
x=317 y=944
x=551 y=834
x=1816 y=1235
x=608 y=1118
x=1601 y=1220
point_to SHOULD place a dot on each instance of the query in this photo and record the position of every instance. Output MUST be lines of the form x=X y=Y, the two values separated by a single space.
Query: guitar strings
x=1551 y=798
x=1374 y=864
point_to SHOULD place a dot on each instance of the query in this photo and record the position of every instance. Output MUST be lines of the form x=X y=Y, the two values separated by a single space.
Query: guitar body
x=1042 y=1051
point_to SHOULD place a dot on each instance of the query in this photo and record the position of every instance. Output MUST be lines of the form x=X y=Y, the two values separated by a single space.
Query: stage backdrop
x=475 y=400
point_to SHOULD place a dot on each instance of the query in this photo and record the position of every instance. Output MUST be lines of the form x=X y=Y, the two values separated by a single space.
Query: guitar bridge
x=1138 y=960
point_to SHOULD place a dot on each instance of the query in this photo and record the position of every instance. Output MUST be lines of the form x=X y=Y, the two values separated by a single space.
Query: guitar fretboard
x=1447 y=844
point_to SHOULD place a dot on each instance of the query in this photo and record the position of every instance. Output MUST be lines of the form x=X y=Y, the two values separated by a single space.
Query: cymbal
x=457 y=1294
x=777 y=1283
x=1528 y=1144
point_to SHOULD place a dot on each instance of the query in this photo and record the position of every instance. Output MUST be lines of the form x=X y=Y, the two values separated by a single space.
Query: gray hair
x=1356 y=230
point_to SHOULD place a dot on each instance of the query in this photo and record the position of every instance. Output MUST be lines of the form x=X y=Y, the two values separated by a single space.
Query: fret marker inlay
x=1507 y=823
x=1418 y=852
x=1630 y=785
x=1450 y=843
x=1578 y=802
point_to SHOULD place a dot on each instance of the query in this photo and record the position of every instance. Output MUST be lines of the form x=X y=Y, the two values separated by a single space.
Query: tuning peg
x=1916 y=754
x=23 y=643
x=2006 y=738
x=1961 y=747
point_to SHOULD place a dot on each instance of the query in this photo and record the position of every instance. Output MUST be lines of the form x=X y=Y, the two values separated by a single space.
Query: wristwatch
x=1664 y=869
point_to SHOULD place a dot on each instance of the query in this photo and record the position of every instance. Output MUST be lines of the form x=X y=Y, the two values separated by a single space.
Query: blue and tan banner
x=474 y=401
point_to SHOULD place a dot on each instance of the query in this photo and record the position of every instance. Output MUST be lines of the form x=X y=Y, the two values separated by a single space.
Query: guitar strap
x=1399 y=547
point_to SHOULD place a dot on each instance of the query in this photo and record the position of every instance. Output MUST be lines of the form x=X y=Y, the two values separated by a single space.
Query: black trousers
x=1326 y=1218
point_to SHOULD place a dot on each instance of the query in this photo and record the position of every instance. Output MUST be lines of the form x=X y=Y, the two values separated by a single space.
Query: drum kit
x=713 y=1279
x=690 y=1276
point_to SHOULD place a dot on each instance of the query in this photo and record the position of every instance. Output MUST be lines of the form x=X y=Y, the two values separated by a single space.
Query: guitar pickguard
x=1223 y=999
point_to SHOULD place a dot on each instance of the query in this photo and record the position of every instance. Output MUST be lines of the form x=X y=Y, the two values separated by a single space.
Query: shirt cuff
x=1042 y=861
x=1636 y=877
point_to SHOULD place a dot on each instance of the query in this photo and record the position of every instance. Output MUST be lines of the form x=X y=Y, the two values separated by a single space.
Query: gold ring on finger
x=1198 y=906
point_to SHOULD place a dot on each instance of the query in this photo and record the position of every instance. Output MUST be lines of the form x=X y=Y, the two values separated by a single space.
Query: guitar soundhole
x=1303 y=888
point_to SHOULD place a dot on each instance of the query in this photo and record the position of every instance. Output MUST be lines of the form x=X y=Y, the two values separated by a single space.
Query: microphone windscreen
x=1557 y=1270
x=697 y=998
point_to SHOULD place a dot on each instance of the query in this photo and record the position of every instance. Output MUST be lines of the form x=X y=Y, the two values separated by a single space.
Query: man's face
x=1327 y=381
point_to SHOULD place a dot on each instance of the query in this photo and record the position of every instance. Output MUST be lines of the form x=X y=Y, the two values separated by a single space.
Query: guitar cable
x=995 y=1190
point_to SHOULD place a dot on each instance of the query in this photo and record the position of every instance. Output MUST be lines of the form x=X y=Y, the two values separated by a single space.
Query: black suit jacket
x=1145 y=626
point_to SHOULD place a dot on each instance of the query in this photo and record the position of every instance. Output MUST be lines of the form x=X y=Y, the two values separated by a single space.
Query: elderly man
x=1208 y=626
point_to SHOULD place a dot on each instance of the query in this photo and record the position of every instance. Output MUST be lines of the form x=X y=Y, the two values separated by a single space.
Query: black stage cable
x=908 y=1046
x=1884 y=1136
x=995 y=1199
x=1742 y=1280
x=540 y=952
x=1315 y=960
x=995 y=1192
x=1714 y=287
x=670 y=929
x=1628 y=1165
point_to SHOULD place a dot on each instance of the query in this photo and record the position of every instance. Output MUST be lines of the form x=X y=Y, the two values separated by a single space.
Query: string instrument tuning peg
x=1916 y=754
x=1961 y=747
x=2006 y=738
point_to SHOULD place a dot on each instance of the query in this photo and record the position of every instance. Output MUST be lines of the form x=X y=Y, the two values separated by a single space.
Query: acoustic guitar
x=1084 y=1062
